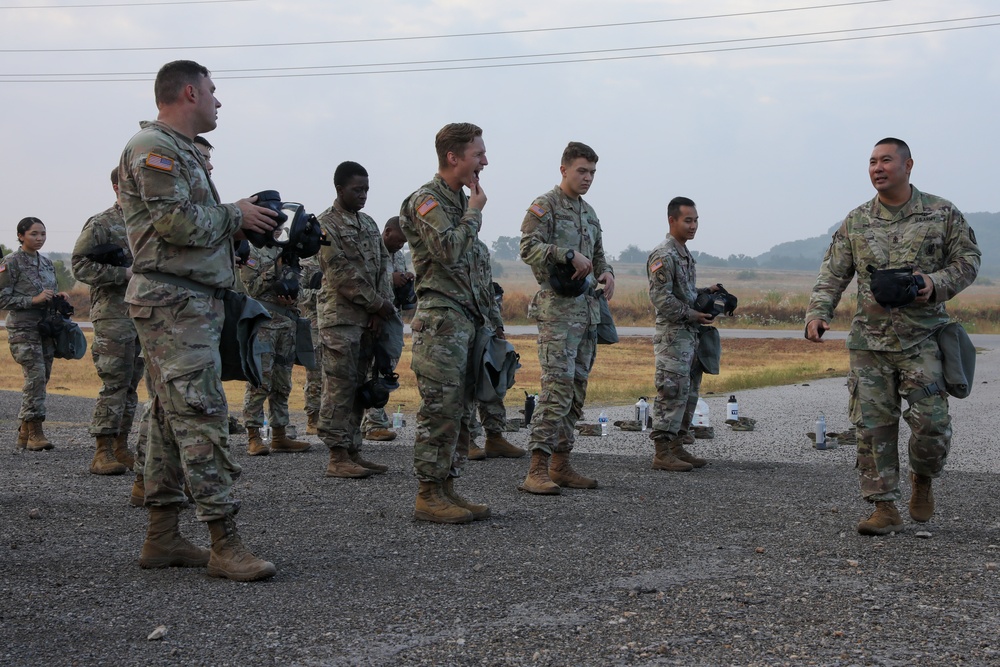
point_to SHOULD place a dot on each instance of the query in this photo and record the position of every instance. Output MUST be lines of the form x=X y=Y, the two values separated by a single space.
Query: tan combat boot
x=36 y=437
x=230 y=559
x=921 y=498
x=497 y=446
x=164 y=545
x=312 y=421
x=884 y=520
x=120 y=450
x=256 y=446
x=104 y=462
x=376 y=468
x=479 y=511
x=562 y=473
x=677 y=449
x=476 y=453
x=538 y=481
x=137 y=498
x=341 y=465
x=281 y=443
x=433 y=505
x=664 y=459
x=380 y=434
x=22 y=434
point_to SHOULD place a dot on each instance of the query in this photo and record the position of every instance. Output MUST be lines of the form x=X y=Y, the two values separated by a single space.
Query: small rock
x=759 y=550
x=34 y=513
x=924 y=534
x=853 y=563
x=991 y=566
x=159 y=633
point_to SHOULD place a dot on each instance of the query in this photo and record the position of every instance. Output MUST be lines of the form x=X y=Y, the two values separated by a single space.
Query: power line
x=125 y=4
x=486 y=59
x=444 y=36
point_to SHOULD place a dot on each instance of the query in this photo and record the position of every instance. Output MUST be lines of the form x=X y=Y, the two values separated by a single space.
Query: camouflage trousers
x=117 y=356
x=566 y=351
x=442 y=349
x=492 y=419
x=188 y=430
x=275 y=374
x=876 y=382
x=347 y=355
x=35 y=355
x=678 y=381
x=313 y=392
x=143 y=431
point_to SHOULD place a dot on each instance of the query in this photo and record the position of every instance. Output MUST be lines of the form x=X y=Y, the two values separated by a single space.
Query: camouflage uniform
x=893 y=351
x=261 y=274
x=177 y=226
x=492 y=419
x=116 y=350
x=355 y=287
x=567 y=326
x=376 y=417
x=454 y=286
x=24 y=276
x=671 y=273
x=307 y=304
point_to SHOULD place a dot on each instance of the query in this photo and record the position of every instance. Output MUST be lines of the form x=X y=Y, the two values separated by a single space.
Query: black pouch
x=894 y=288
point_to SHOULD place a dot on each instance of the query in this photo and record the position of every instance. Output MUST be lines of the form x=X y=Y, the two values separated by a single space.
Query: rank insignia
x=160 y=162
x=427 y=206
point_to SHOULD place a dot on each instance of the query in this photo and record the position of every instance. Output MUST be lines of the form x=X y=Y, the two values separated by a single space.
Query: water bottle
x=732 y=410
x=642 y=412
x=821 y=431
x=265 y=433
x=701 y=414
x=529 y=407
x=603 y=421
x=397 y=417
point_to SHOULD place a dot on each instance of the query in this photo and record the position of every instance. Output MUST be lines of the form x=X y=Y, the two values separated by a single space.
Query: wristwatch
x=569 y=257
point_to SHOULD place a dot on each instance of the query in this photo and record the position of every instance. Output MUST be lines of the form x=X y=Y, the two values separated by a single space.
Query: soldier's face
x=887 y=168
x=578 y=176
x=685 y=225
x=393 y=240
x=206 y=153
x=206 y=105
x=472 y=161
x=353 y=194
x=33 y=239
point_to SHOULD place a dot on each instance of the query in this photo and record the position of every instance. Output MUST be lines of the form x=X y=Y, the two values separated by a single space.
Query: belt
x=186 y=283
x=290 y=313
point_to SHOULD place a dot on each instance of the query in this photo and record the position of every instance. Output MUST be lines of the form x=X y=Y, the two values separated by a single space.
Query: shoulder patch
x=427 y=206
x=972 y=236
x=537 y=210
x=3 y=267
x=157 y=161
x=656 y=266
x=251 y=262
x=661 y=276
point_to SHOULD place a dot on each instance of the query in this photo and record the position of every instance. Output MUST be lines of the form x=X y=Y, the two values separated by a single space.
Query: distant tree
x=64 y=277
x=633 y=255
x=4 y=250
x=742 y=261
x=705 y=259
x=497 y=270
x=507 y=247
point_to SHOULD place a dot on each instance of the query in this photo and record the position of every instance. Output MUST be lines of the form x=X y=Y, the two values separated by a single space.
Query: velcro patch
x=161 y=162
x=3 y=267
x=656 y=266
x=537 y=210
x=252 y=263
x=427 y=206
x=661 y=277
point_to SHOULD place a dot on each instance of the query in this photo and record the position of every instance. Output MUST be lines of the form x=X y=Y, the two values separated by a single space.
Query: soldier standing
x=102 y=259
x=356 y=298
x=894 y=350
x=182 y=241
x=561 y=242
x=454 y=301
x=312 y=277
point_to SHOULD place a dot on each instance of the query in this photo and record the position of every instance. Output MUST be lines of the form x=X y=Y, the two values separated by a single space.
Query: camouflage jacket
x=354 y=269
x=307 y=297
x=174 y=220
x=551 y=228
x=107 y=283
x=24 y=276
x=928 y=234
x=670 y=270
x=261 y=274
x=452 y=266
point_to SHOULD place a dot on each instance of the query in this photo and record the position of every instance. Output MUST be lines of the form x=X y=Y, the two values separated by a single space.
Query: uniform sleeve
x=256 y=273
x=661 y=271
x=87 y=270
x=341 y=260
x=599 y=259
x=446 y=241
x=495 y=314
x=536 y=248
x=8 y=279
x=835 y=274
x=962 y=259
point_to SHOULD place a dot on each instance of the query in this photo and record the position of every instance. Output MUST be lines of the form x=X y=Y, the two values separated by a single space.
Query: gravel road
x=752 y=560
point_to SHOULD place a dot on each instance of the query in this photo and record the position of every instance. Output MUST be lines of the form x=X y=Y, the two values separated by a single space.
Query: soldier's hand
x=43 y=297
x=287 y=301
x=703 y=318
x=582 y=264
x=925 y=293
x=477 y=198
x=256 y=218
x=815 y=330
x=608 y=280
x=399 y=279
x=386 y=311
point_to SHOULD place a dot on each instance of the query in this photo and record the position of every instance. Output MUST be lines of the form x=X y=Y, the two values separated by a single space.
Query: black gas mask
x=894 y=288
x=716 y=303
x=298 y=233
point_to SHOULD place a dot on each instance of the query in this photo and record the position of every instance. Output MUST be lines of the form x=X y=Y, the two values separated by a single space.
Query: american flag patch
x=427 y=206
x=160 y=162
x=3 y=267
x=656 y=266
x=252 y=263
x=537 y=210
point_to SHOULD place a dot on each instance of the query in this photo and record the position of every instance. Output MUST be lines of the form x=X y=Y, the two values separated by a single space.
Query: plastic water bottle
x=821 y=431
x=603 y=421
x=265 y=432
x=397 y=417
x=732 y=410
x=642 y=412
x=701 y=414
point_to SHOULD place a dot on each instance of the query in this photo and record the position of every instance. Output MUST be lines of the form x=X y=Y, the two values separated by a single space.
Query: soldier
x=102 y=259
x=671 y=273
x=356 y=298
x=273 y=280
x=182 y=240
x=894 y=350
x=561 y=242
x=312 y=277
x=203 y=146
x=454 y=301
x=27 y=285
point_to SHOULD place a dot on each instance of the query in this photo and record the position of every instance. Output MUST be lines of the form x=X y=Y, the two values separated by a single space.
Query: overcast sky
x=772 y=143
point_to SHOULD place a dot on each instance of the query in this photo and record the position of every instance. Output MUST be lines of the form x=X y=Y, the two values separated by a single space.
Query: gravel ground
x=751 y=560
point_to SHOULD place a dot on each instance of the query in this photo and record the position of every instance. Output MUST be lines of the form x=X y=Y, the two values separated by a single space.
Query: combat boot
x=281 y=443
x=341 y=465
x=121 y=451
x=433 y=505
x=380 y=434
x=312 y=422
x=137 y=498
x=921 y=498
x=376 y=468
x=230 y=559
x=256 y=446
x=479 y=511
x=663 y=459
x=165 y=546
x=22 y=434
x=562 y=473
x=884 y=520
x=498 y=446
x=36 y=437
x=677 y=449
x=538 y=481
x=476 y=453
x=104 y=462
